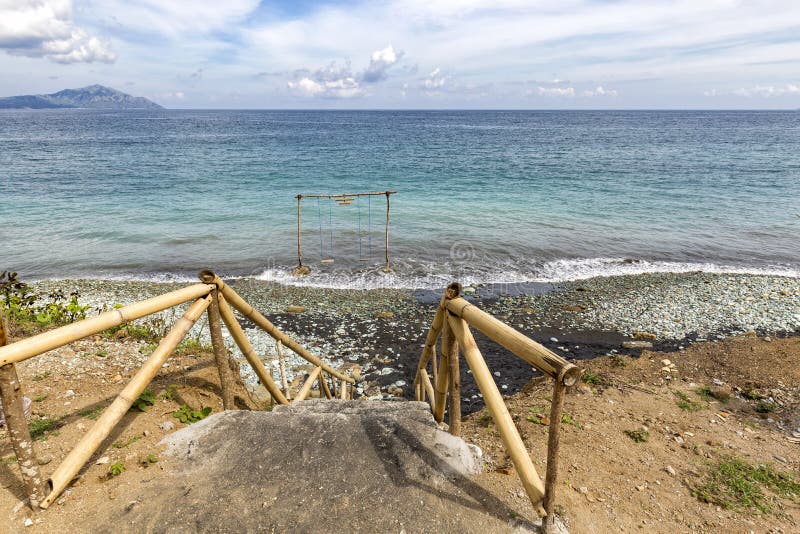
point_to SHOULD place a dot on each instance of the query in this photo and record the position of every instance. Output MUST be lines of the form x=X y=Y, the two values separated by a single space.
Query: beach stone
x=644 y=336
x=381 y=458
x=637 y=345
x=296 y=309
x=571 y=308
x=384 y=315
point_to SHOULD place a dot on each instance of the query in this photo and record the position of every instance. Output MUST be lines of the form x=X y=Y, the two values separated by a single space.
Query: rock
x=671 y=470
x=637 y=345
x=166 y=425
x=768 y=339
x=384 y=315
x=117 y=378
x=554 y=340
x=28 y=522
x=571 y=308
x=644 y=336
x=295 y=309
x=721 y=393
x=43 y=459
x=583 y=490
x=666 y=363
x=469 y=289
x=103 y=461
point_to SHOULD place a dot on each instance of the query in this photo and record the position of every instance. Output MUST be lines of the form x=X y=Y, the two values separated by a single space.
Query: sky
x=410 y=54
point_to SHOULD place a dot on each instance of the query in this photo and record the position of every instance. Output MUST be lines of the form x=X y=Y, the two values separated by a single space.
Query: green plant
x=116 y=469
x=638 y=436
x=39 y=378
x=568 y=420
x=765 y=407
x=704 y=393
x=591 y=378
x=170 y=392
x=685 y=403
x=22 y=305
x=618 y=360
x=188 y=416
x=40 y=425
x=732 y=483
x=145 y=399
x=752 y=394
x=101 y=353
x=148 y=460
x=40 y=398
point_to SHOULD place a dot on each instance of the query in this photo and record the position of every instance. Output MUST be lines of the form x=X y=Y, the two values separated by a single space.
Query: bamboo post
x=306 y=389
x=112 y=415
x=333 y=387
x=250 y=355
x=18 y=432
x=226 y=382
x=450 y=347
x=429 y=350
x=551 y=476
x=428 y=388
x=323 y=386
x=532 y=352
x=502 y=418
x=262 y=322
x=388 y=196
x=282 y=367
x=343 y=390
x=442 y=384
x=58 y=337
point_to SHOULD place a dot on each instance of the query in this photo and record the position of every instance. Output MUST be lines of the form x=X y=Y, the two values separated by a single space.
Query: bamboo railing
x=212 y=296
x=451 y=322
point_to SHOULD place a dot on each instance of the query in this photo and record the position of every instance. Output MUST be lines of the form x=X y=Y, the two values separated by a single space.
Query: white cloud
x=332 y=81
x=600 y=91
x=44 y=28
x=380 y=62
x=768 y=91
x=563 y=92
x=435 y=80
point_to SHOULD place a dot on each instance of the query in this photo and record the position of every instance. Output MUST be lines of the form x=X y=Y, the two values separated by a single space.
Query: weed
x=752 y=394
x=21 y=304
x=638 y=436
x=188 y=416
x=40 y=398
x=102 y=353
x=618 y=360
x=193 y=344
x=591 y=378
x=734 y=484
x=765 y=407
x=148 y=460
x=92 y=413
x=704 y=393
x=145 y=399
x=124 y=444
x=39 y=378
x=486 y=419
x=568 y=420
x=116 y=469
x=685 y=403
x=39 y=426
x=170 y=392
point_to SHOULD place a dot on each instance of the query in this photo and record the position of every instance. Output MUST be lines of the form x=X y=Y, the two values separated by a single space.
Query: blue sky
x=410 y=54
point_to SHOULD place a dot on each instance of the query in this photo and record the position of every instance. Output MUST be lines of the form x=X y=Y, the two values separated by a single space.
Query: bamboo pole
x=262 y=322
x=226 y=383
x=250 y=355
x=282 y=367
x=367 y=194
x=450 y=346
x=551 y=475
x=333 y=387
x=343 y=390
x=532 y=352
x=502 y=418
x=306 y=389
x=442 y=384
x=428 y=387
x=323 y=386
x=429 y=349
x=388 y=202
x=112 y=415
x=58 y=337
x=18 y=432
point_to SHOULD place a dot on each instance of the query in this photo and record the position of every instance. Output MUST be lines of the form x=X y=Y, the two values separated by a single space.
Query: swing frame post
x=342 y=199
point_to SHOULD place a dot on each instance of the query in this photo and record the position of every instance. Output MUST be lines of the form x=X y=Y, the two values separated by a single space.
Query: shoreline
x=382 y=330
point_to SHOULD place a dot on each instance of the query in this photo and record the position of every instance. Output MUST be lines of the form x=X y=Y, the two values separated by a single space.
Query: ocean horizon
x=490 y=196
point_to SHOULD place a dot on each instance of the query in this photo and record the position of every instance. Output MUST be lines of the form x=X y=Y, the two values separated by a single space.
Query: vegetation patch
x=685 y=403
x=638 y=436
x=115 y=469
x=40 y=425
x=734 y=484
x=29 y=309
x=145 y=399
x=92 y=413
x=591 y=378
x=188 y=416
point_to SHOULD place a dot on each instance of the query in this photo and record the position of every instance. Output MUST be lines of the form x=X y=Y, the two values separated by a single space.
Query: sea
x=499 y=197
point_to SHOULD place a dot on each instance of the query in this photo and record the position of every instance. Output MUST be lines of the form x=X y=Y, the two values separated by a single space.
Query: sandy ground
x=608 y=482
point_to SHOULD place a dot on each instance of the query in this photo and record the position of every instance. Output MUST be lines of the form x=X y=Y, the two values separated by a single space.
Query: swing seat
x=329 y=260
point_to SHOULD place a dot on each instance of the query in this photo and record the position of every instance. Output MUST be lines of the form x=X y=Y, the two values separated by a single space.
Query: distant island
x=91 y=97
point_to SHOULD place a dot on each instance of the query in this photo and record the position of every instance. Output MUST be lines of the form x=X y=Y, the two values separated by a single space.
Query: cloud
x=600 y=91
x=768 y=91
x=44 y=28
x=435 y=80
x=559 y=92
x=332 y=81
x=379 y=63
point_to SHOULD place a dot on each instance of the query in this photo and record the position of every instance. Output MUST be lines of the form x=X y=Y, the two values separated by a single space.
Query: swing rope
x=369 y=227
x=319 y=218
x=330 y=225
x=360 y=253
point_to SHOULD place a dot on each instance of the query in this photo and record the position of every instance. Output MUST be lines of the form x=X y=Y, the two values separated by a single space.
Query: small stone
x=571 y=308
x=666 y=363
x=295 y=309
x=103 y=461
x=469 y=289
x=28 y=522
x=640 y=488
x=117 y=378
x=637 y=345
x=671 y=470
x=554 y=340
x=768 y=339
x=384 y=315
x=644 y=336
x=166 y=425
x=43 y=459
x=69 y=393
x=583 y=490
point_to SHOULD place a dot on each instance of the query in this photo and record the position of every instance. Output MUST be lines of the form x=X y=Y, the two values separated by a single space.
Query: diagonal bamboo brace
x=247 y=351
x=502 y=418
x=112 y=415
x=306 y=389
x=265 y=324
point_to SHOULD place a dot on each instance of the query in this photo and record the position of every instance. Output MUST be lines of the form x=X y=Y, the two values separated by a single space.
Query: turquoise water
x=482 y=196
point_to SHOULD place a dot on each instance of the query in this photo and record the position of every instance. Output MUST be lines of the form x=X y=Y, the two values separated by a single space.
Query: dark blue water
x=484 y=196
